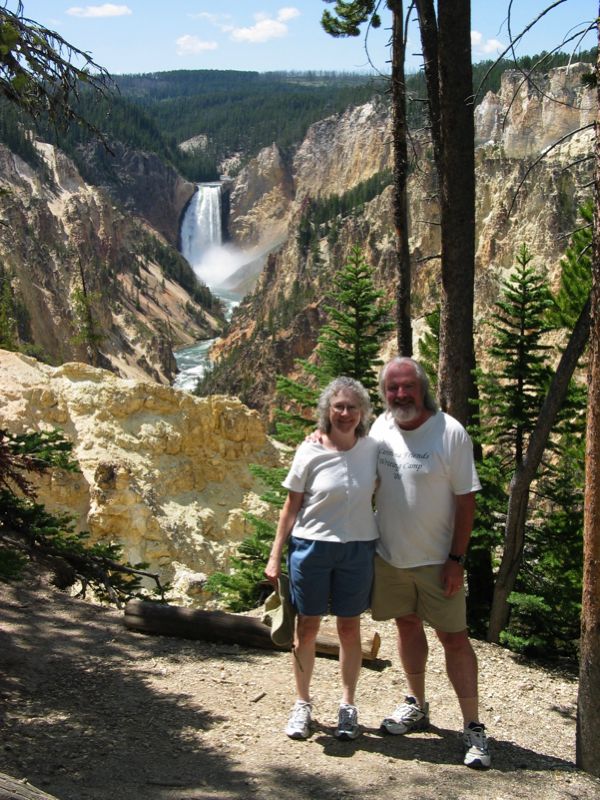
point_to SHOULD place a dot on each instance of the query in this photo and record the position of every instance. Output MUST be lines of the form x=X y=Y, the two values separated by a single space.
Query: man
x=425 y=508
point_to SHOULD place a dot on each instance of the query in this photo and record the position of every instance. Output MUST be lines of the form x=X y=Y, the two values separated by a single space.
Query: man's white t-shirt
x=420 y=472
x=338 y=488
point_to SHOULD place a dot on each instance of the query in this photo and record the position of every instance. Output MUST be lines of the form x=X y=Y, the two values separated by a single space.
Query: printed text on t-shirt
x=402 y=461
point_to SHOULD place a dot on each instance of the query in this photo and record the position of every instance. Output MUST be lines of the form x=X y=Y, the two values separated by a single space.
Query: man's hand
x=316 y=437
x=452 y=577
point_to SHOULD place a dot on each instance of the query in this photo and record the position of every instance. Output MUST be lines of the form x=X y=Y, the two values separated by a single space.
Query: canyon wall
x=91 y=281
x=522 y=197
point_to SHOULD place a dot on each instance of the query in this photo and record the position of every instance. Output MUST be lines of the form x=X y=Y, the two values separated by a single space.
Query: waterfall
x=201 y=226
x=201 y=242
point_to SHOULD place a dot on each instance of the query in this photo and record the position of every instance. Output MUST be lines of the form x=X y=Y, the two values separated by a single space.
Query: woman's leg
x=304 y=654
x=350 y=655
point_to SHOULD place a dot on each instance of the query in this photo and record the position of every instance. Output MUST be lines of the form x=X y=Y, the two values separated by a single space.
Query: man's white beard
x=404 y=413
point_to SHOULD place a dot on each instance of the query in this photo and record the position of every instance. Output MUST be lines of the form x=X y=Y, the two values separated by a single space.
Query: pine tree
x=512 y=392
x=348 y=344
x=359 y=319
x=544 y=601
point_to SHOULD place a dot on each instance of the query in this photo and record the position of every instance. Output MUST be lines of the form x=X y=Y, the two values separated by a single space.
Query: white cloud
x=485 y=46
x=192 y=45
x=265 y=27
x=216 y=19
x=106 y=10
x=287 y=13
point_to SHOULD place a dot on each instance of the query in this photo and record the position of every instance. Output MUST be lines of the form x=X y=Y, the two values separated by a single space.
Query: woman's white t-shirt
x=338 y=488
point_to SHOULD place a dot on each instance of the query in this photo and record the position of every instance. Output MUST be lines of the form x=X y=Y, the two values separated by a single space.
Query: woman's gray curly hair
x=344 y=384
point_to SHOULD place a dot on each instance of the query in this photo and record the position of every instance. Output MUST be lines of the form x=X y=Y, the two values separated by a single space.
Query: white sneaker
x=407 y=716
x=298 y=726
x=477 y=753
x=347 y=727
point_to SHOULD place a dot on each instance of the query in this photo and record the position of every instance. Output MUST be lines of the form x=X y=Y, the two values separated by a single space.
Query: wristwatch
x=459 y=559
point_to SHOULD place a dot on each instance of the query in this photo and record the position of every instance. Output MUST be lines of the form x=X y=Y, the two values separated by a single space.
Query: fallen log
x=220 y=626
x=13 y=789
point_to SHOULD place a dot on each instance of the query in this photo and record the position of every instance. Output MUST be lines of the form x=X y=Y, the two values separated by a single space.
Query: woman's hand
x=273 y=569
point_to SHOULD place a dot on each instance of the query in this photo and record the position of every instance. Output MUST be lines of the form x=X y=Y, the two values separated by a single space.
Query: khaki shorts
x=417 y=590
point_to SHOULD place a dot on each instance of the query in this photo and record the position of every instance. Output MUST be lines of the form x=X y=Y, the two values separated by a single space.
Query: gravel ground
x=92 y=711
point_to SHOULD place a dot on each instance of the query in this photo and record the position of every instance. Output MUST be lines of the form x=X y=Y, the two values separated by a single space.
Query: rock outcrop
x=163 y=473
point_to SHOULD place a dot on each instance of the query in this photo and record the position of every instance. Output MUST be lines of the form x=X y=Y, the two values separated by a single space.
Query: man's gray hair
x=429 y=400
x=344 y=384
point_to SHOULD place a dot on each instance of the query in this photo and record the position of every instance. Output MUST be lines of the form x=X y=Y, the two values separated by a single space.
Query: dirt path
x=92 y=711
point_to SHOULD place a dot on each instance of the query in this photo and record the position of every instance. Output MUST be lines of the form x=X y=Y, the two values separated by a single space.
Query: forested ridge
x=234 y=112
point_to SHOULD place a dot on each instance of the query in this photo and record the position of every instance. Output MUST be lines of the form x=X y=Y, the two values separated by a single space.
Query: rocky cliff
x=142 y=184
x=88 y=280
x=163 y=473
x=521 y=198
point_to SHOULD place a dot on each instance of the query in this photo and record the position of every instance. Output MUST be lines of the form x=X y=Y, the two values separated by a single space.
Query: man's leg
x=461 y=666
x=350 y=655
x=413 y=651
x=413 y=713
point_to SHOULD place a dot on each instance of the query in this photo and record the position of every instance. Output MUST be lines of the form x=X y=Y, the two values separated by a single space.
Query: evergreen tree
x=545 y=598
x=512 y=392
x=348 y=344
x=359 y=319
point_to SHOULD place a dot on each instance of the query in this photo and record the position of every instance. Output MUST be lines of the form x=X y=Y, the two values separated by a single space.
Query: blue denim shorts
x=330 y=577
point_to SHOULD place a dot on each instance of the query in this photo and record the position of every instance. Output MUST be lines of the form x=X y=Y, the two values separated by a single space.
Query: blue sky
x=134 y=36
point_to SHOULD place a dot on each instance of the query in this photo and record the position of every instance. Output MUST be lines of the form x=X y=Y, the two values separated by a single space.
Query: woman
x=329 y=522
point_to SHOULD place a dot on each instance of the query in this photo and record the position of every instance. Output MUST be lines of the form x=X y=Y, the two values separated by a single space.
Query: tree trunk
x=219 y=626
x=13 y=789
x=457 y=204
x=399 y=134
x=514 y=531
x=429 y=43
x=588 y=718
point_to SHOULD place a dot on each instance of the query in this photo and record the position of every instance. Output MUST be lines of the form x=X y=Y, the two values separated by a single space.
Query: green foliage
x=87 y=331
x=8 y=323
x=511 y=394
x=320 y=217
x=359 y=320
x=348 y=344
x=545 y=605
x=240 y=112
x=243 y=587
x=349 y=16
x=41 y=73
x=175 y=266
x=29 y=532
x=576 y=273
